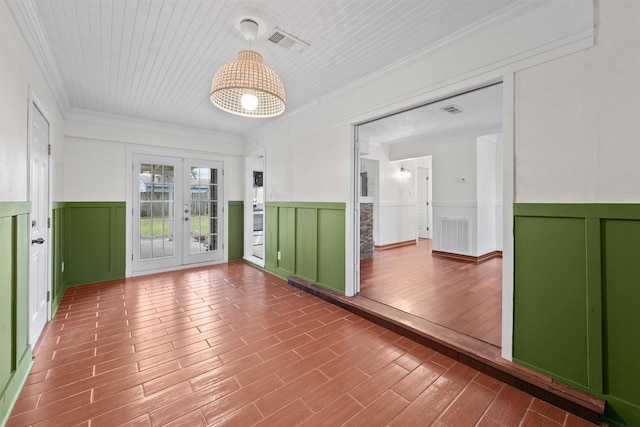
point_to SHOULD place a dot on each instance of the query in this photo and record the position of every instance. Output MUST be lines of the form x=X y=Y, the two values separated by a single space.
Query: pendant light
x=246 y=86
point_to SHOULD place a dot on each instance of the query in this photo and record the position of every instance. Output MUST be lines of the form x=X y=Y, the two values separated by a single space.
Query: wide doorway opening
x=430 y=203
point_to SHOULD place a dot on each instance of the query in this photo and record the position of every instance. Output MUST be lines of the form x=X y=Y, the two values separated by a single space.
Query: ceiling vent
x=288 y=41
x=452 y=109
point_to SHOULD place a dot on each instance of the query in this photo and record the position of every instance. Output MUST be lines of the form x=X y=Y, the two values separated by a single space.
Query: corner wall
x=577 y=129
x=20 y=80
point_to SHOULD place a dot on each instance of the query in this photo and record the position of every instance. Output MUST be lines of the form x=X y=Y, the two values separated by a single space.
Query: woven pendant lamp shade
x=248 y=75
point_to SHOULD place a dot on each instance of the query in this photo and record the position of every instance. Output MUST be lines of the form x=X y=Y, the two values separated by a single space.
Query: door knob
x=39 y=241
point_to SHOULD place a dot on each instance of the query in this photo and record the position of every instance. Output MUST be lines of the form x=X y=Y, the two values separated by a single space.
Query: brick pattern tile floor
x=232 y=345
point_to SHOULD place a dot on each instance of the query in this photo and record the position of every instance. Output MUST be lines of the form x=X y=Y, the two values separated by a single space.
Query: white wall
x=395 y=218
x=18 y=74
x=486 y=193
x=313 y=167
x=96 y=158
x=499 y=191
x=289 y=140
x=577 y=129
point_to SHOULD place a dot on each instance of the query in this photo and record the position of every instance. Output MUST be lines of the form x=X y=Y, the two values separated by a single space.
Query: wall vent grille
x=454 y=235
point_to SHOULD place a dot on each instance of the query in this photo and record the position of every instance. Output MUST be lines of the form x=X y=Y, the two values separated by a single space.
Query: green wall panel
x=271 y=238
x=286 y=238
x=236 y=230
x=331 y=251
x=307 y=243
x=89 y=238
x=15 y=352
x=7 y=325
x=550 y=296
x=621 y=267
x=22 y=240
x=310 y=238
x=576 y=299
x=57 y=257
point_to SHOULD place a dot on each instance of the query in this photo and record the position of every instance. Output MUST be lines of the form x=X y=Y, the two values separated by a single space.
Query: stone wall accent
x=366 y=230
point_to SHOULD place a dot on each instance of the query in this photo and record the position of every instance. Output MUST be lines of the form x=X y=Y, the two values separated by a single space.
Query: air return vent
x=455 y=235
x=452 y=109
x=288 y=41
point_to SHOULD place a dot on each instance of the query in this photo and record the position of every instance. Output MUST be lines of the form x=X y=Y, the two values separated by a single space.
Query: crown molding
x=26 y=17
x=134 y=123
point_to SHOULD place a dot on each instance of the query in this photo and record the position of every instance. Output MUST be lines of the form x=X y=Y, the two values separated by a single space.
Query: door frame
x=507 y=78
x=426 y=187
x=181 y=154
x=34 y=102
x=247 y=249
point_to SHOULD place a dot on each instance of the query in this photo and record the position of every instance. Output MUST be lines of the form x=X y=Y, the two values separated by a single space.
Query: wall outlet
x=279 y=256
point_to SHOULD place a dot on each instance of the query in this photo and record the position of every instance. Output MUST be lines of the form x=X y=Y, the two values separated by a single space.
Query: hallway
x=232 y=345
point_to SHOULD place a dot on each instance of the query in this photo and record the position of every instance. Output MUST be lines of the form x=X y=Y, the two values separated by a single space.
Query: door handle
x=38 y=241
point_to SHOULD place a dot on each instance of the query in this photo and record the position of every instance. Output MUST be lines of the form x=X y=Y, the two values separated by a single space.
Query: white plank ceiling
x=155 y=59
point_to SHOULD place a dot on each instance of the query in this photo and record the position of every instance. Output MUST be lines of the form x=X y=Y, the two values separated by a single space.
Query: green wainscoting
x=310 y=238
x=577 y=299
x=15 y=351
x=89 y=240
x=236 y=230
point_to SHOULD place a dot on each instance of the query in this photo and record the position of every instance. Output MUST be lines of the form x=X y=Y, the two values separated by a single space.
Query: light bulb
x=249 y=101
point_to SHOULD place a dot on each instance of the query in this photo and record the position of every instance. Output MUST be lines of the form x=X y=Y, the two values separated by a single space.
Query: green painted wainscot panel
x=307 y=243
x=331 y=252
x=92 y=241
x=621 y=268
x=236 y=230
x=576 y=299
x=15 y=352
x=310 y=238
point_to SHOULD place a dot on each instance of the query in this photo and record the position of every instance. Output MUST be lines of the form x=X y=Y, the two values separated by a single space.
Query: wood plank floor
x=232 y=345
x=458 y=295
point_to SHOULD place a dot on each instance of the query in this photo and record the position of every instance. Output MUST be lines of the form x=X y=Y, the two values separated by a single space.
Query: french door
x=177 y=212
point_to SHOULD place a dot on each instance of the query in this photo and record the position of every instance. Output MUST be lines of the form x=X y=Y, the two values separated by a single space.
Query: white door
x=202 y=211
x=39 y=253
x=177 y=212
x=423 y=204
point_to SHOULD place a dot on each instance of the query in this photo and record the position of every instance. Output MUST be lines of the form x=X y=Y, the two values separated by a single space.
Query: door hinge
x=49 y=149
x=131 y=257
x=427 y=228
x=48 y=296
x=48 y=222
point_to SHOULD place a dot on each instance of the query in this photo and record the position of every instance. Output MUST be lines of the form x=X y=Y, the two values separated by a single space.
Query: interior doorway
x=254 y=208
x=39 y=284
x=462 y=133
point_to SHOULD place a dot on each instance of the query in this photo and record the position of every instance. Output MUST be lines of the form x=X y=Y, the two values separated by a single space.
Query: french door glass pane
x=157 y=211
x=204 y=210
